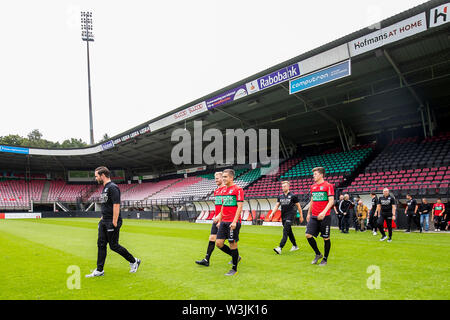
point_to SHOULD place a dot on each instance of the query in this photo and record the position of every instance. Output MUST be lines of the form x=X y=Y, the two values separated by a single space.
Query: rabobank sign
x=320 y=77
x=279 y=76
x=14 y=150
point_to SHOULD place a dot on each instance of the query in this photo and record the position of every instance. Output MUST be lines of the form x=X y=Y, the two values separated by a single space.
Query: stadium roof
x=390 y=87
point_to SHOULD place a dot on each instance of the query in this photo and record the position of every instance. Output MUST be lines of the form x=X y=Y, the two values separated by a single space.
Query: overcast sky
x=150 y=57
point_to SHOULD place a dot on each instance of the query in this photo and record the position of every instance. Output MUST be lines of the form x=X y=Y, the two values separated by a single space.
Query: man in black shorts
x=214 y=228
x=230 y=219
x=319 y=219
x=386 y=208
x=110 y=223
x=289 y=206
x=411 y=213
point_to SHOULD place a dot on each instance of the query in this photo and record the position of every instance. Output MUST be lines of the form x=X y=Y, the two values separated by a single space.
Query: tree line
x=34 y=139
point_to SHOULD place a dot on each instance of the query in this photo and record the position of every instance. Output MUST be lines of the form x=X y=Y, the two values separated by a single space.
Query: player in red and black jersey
x=318 y=218
x=215 y=226
x=230 y=219
x=438 y=212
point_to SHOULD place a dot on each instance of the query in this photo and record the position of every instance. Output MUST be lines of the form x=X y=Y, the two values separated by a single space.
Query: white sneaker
x=383 y=238
x=277 y=250
x=374 y=233
x=435 y=230
x=95 y=273
x=134 y=265
x=294 y=248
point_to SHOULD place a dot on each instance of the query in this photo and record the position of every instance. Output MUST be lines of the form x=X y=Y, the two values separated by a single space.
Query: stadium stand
x=409 y=165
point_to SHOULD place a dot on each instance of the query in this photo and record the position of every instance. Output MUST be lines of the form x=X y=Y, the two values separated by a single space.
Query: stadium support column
x=345 y=136
x=430 y=123
x=340 y=136
x=423 y=121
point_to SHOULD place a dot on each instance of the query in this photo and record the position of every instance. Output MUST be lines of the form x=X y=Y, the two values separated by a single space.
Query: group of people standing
x=365 y=218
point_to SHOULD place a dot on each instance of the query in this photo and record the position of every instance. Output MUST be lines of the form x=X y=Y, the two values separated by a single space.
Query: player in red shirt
x=438 y=212
x=215 y=226
x=318 y=218
x=230 y=219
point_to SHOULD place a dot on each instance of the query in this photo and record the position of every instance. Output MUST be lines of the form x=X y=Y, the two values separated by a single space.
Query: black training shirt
x=425 y=208
x=411 y=205
x=109 y=196
x=288 y=205
x=344 y=206
x=374 y=204
x=386 y=204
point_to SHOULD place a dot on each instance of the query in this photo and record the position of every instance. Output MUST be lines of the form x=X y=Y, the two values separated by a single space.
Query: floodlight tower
x=87 y=35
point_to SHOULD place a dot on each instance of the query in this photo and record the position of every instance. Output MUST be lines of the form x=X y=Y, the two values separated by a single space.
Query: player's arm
x=115 y=197
x=377 y=211
x=275 y=209
x=308 y=216
x=442 y=213
x=417 y=208
x=240 y=204
x=218 y=218
x=300 y=211
x=116 y=211
x=394 y=209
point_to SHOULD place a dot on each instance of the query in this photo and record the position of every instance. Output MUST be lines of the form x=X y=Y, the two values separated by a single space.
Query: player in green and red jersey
x=215 y=226
x=318 y=218
x=230 y=219
x=438 y=212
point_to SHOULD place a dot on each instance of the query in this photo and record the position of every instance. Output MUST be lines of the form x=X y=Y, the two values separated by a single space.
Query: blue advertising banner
x=107 y=145
x=320 y=77
x=14 y=150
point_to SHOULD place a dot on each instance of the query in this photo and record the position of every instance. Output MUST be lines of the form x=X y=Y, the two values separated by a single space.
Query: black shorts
x=315 y=226
x=225 y=232
x=214 y=229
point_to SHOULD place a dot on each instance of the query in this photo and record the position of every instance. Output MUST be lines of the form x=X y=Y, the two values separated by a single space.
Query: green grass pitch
x=35 y=256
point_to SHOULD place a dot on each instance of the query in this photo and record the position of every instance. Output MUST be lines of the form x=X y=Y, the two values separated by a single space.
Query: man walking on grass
x=110 y=223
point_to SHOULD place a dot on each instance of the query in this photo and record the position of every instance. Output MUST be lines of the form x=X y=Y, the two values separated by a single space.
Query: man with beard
x=110 y=223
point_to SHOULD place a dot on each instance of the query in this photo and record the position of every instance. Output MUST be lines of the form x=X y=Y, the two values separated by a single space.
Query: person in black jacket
x=344 y=208
x=424 y=211
x=372 y=217
x=411 y=213
x=339 y=214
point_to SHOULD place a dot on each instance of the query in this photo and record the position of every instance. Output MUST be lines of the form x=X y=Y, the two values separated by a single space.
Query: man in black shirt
x=386 y=208
x=424 y=211
x=372 y=217
x=344 y=208
x=110 y=223
x=411 y=213
x=289 y=206
x=339 y=214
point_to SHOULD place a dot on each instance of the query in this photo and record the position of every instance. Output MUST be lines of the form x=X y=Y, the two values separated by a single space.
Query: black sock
x=235 y=256
x=226 y=249
x=327 y=245
x=210 y=249
x=313 y=244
